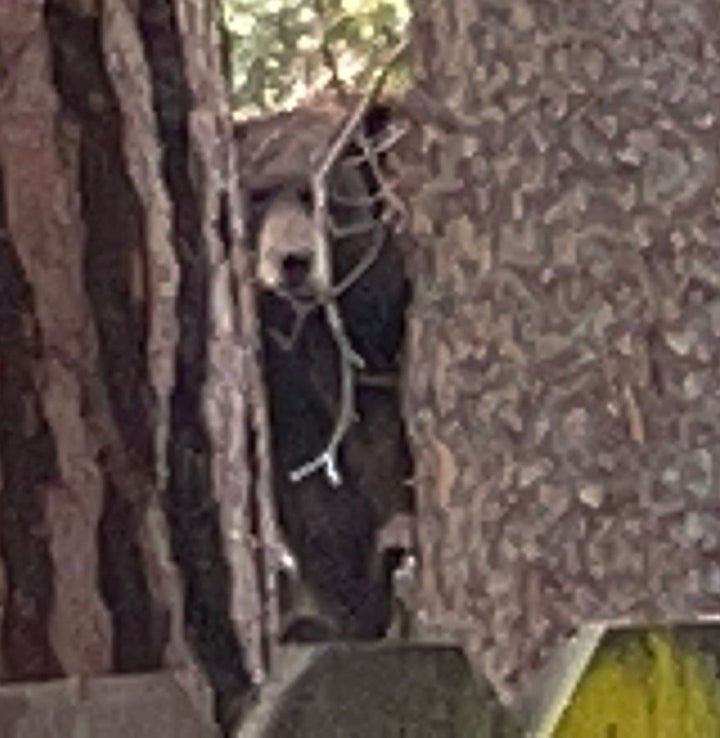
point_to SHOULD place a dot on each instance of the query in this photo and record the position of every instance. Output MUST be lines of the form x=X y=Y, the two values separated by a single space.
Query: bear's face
x=285 y=243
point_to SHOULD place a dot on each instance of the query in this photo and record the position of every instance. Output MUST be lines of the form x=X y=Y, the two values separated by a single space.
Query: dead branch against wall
x=562 y=386
x=125 y=366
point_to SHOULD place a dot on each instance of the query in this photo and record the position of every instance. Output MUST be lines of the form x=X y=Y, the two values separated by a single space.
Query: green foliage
x=282 y=50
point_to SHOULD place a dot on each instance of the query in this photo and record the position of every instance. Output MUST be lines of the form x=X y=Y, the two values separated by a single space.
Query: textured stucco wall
x=564 y=352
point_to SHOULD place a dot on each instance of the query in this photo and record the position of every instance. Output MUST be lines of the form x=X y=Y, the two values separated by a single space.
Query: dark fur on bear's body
x=333 y=531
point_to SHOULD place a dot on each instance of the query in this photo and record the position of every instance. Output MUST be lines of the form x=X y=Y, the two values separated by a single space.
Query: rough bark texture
x=563 y=391
x=125 y=369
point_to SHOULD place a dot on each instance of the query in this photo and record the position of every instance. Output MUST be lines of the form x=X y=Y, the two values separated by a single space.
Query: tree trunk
x=131 y=513
x=563 y=392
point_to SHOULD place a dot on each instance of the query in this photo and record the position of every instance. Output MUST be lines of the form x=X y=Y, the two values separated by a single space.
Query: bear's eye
x=305 y=196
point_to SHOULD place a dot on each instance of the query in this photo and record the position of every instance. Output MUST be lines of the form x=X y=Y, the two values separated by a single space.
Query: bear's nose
x=296 y=269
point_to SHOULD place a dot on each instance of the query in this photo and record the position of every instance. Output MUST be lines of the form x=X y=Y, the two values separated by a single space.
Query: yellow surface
x=646 y=684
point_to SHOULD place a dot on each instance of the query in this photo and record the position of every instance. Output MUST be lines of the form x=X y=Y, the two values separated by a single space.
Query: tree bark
x=132 y=521
x=562 y=386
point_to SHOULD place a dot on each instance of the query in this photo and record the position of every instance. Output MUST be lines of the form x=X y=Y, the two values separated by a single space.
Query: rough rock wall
x=126 y=374
x=563 y=385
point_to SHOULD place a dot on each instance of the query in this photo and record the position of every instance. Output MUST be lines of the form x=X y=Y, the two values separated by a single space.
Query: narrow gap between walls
x=339 y=585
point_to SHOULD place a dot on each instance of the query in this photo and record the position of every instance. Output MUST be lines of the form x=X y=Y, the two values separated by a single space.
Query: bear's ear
x=305 y=196
x=377 y=119
x=240 y=131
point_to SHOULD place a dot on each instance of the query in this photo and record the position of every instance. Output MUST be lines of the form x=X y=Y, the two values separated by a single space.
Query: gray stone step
x=386 y=690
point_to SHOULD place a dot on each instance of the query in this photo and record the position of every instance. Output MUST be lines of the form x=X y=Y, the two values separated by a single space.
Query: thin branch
x=380 y=145
x=264 y=151
x=367 y=260
x=226 y=53
x=354 y=229
x=303 y=308
x=347 y=129
x=326 y=52
x=397 y=204
x=328 y=459
x=370 y=149
x=349 y=359
x=287 y=342
x=357 y=201
x=388 y=380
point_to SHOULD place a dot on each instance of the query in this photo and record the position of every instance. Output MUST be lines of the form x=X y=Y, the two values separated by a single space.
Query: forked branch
x=350 y=361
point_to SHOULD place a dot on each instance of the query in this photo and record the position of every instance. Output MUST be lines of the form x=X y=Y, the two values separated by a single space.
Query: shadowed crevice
x=27 y=463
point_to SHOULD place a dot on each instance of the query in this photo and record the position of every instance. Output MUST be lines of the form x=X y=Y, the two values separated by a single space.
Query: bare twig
x=381 y=145
x=362 y=266
x=303 y=308
x=327 y=53
x=372 y=158
x=287 y=342
x=354 y=229
x=348 y=128
x=328 y=458
x=358 y=201
x=386 y=380
x=349 y=359
x=264 y=151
